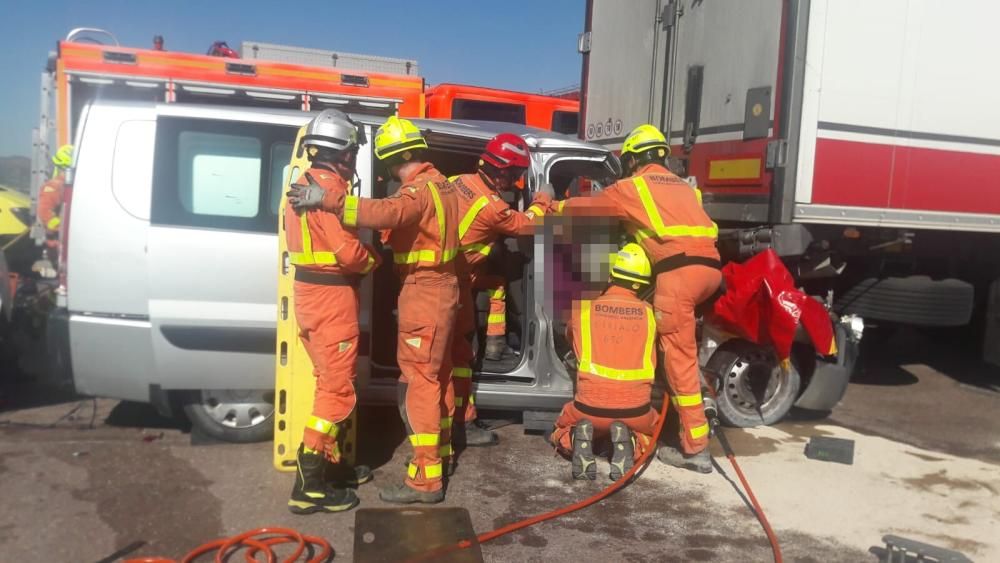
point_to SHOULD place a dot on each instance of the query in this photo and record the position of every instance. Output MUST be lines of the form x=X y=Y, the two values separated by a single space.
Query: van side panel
x=109 y=341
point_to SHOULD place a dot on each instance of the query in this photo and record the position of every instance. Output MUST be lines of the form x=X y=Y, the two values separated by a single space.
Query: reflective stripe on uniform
x=53 y=223
x=699 y=431
x=538 y=210
x=351 y=211
x=459 y=402
x=477 y=247
x=417 y=440
x=322 y=426
x=498 y=293
x=445 y=451
x=587 y=364
x=656 y=221
x=446 y=422
x=432 y=471
x=495 y=318
x=461 y=372
x=371 y=264
x=686 y=400
x=307 y=256
x=430 y=256
x=471 y=214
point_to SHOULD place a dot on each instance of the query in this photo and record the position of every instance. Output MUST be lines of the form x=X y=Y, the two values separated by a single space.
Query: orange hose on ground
x=250 y=540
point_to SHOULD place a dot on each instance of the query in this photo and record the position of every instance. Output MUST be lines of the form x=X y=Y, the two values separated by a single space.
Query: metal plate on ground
x=825 y=448
x=414 y=534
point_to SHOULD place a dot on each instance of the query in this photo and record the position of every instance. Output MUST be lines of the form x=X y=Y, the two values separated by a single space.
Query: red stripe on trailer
x=873 y=175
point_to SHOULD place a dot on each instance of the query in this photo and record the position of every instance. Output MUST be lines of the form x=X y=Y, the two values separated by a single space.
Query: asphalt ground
x=83 y=479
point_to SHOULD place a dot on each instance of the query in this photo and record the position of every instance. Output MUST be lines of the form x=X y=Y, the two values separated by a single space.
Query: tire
x=240 y=416
x=752 y=389
x=915 y=300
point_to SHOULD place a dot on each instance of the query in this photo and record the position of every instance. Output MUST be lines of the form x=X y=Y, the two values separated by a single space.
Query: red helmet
x=506 y=150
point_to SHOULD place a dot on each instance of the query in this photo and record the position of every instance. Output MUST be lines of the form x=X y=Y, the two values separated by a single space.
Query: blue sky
x=513 y=44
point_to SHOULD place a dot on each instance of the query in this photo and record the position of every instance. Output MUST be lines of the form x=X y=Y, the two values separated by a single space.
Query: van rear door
x=212 y=250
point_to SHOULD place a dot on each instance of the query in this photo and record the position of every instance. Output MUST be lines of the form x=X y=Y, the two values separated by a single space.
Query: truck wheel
x=752 y=387
x=914 y=300
x=232 y=415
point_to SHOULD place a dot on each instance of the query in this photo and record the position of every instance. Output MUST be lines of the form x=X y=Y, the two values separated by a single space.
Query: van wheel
x=753 y=389
x=232 y=415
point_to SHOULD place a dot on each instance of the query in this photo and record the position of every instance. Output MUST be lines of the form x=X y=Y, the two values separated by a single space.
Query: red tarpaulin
x=762 y=304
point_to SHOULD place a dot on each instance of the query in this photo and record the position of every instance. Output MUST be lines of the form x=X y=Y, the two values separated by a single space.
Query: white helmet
x=332 y=129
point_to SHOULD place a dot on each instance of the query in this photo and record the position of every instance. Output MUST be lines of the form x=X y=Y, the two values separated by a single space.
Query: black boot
x=311 y=493
x=495 y=347
x=402 y=494
x=344 y=474
x=584 y=463
x=475 y=436
x=622 y=450
x=700 y=462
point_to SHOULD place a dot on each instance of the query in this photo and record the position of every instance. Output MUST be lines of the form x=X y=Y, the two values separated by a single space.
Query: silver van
x=171 y=265
x=171 y=261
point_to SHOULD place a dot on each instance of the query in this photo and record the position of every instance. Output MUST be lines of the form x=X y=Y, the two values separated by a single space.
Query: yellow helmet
x=644 y=138
x=63 y=157
x=397 y=135
x=631 y=264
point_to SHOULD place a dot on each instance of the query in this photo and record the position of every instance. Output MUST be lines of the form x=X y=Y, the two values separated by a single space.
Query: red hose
x=643 y=460
x=261 y=540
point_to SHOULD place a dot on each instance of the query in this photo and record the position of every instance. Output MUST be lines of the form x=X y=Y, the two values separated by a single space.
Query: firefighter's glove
x=309 y=196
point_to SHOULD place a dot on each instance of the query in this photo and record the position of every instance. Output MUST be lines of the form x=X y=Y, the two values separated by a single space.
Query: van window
x=488 y=111
x=219 y=174
x=565 y=122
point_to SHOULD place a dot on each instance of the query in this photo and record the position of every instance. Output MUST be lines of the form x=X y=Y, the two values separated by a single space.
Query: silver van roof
x=538 y=139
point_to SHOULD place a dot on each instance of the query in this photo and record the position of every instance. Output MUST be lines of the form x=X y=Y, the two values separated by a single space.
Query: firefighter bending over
x=665 y=216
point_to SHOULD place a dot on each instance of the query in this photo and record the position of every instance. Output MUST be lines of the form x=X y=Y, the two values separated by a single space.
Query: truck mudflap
x=829 y=382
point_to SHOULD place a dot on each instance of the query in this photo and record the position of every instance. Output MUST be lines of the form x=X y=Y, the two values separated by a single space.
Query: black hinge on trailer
x=119 y=58
x=670 y=13
x=241 y=69
x=353 y=80
x=777 y=154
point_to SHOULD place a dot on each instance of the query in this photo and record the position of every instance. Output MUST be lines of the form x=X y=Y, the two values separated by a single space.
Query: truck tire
x=752 y=389
x=914 y=300
x=240 y=416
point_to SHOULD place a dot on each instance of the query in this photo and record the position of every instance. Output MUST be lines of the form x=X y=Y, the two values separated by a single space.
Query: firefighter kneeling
x=614 y=339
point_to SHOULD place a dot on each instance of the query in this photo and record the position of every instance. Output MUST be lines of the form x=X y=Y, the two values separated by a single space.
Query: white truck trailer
x=859 y=139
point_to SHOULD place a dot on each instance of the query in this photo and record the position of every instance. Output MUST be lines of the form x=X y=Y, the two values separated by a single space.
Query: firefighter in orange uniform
x=484 y=218
x=423 y=217
x=614 y=339
x=329 y=263
x=50 y=196
x=665 y=216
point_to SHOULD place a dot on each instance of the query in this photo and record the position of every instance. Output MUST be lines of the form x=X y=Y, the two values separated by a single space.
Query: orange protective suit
x=665 y=216
x=423 y=217
x=614 y=338
x=50 y=200
x=329 y=263
x=484 y=218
